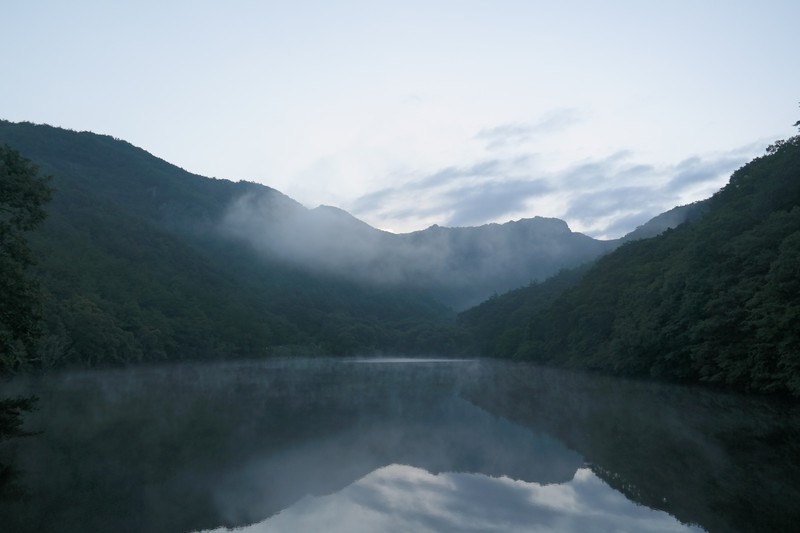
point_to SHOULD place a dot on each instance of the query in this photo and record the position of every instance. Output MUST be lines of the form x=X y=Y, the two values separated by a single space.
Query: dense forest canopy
x=142 y=261
x=133 y=268
x=136 y=263
x=23 y=193
x=715 y=300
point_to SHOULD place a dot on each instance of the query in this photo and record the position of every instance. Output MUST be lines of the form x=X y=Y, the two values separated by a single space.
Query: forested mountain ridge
x=140 y=260
x=458 y=266
x=716 y=300
x=133 y=268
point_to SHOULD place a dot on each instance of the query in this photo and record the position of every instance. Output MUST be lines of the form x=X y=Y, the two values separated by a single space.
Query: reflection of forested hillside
x=194 y=446
x=723 y=461
x=714 y=300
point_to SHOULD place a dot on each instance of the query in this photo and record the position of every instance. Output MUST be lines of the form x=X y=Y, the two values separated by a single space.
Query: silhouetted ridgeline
x=142 y=261
x=135 y=266
x=716 y=300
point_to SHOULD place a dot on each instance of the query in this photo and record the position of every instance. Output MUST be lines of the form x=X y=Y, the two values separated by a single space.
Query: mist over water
x=461 y=266
x=400 y=443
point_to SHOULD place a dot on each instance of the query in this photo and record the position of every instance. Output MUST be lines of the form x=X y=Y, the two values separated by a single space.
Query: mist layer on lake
x=398 y=442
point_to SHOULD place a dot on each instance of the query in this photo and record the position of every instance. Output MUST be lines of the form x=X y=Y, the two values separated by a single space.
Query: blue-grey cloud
x=504 y=135
x=588 y=174
x=488 y=201
x=376 y=201
x=404 y=498
x=695 y=171
x=373 y=201
x=605 y=202
x=605 y=197
x=450 y=180
x=516 y=133
x=487 y=168
x=614 y=195
x=626 y=223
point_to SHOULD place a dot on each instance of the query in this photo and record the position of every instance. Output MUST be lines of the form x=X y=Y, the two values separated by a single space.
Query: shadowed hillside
x=715 y=300
x=140 y=260
x=134 y=267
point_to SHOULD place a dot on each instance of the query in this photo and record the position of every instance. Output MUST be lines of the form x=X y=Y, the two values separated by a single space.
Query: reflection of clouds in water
x=403 y=498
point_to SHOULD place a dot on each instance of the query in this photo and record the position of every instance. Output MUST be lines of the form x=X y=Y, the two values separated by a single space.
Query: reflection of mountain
x=404 y=498
x=233 y=444
x=437 y=434
x=726 y=462
x=192 y=447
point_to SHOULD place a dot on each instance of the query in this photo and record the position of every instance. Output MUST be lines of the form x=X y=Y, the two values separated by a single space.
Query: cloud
x=506 y=134
x=696 y=171
x=488 y=201
x=603 y=202
x=373 y=201
x=404 y=498
x=604 y=197
x=509 y=135
x=473 y=194
x=589 y=174
x=612 y=196
x=487 y=168
x=624 y=224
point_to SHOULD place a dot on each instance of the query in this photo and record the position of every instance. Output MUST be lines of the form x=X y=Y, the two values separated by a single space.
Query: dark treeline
x=132 y=267
x=716 y=300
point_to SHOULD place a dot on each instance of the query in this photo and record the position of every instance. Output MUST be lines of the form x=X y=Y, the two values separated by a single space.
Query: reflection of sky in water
x=399 y=498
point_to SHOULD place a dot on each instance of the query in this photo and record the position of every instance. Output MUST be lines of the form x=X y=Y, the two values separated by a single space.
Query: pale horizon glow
x=405 y=498
x=418 y=113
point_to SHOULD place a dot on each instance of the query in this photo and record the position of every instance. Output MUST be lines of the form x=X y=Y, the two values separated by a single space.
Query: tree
x=23 y=192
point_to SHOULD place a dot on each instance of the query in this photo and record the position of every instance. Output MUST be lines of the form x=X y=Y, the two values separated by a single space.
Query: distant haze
x=461 y=266
x=409 y=114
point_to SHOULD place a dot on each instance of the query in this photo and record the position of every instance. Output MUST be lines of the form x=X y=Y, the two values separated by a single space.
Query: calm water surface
x=395 y=445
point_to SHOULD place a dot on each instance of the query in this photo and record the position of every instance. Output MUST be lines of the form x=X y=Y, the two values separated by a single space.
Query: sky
x=413 y=113
x=404 y=498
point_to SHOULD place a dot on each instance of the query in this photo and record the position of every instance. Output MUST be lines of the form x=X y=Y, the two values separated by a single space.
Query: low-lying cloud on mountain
x=461 y=266
x=618 y=192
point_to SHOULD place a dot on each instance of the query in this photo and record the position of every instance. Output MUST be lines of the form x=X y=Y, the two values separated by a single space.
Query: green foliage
x=22 y=196
x=11 y=410
x=133 y=268
x=499 y=325
x=715 y=300
x=23 y=192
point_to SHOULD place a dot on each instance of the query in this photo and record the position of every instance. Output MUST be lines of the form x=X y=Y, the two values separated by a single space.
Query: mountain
x=668 y=220
x=714 y=300
x=140 y=260
x=458 y=266
x=135 y=266
x=464 y=266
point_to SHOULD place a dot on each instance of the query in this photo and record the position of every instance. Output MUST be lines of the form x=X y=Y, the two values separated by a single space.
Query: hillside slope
x=141 y=261
x=134 y=268
x=458 y=266
x=716 y=300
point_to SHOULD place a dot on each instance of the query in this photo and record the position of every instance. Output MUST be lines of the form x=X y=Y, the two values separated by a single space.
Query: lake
x=395 y=445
